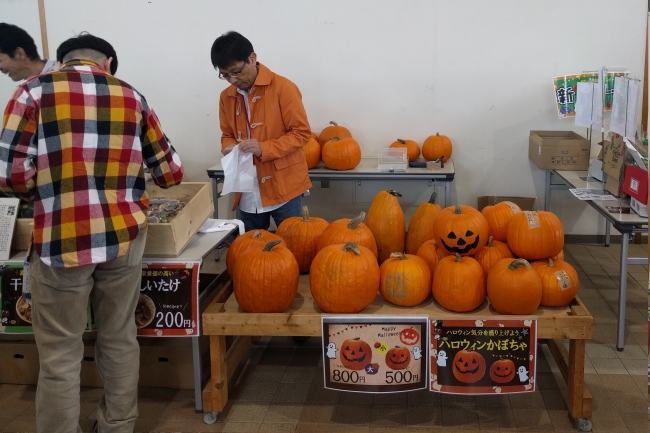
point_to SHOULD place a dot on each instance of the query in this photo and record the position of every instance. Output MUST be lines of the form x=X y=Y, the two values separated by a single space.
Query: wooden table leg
x=219 y=373
x=576 y=379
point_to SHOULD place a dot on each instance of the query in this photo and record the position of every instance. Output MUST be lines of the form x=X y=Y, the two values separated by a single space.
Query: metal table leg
x=622 y=289
x=608 y=228
x=547 y=195
x=198 y=374
x=447 y=193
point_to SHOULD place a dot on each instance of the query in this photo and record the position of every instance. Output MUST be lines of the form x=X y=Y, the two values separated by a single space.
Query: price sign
x=375 y=353
x=168 y=302
x=16 y=311
x=483 y=356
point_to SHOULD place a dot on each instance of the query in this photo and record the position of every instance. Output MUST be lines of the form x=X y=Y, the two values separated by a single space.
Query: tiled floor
x=280 y=385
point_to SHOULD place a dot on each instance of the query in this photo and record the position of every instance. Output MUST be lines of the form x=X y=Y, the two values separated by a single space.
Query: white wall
x=479 y=72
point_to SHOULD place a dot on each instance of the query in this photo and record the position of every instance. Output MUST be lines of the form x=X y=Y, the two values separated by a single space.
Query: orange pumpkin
x=559 y=256
x=560 y=282
x=386 y=222
x=421 y=225
x=355 y=354
x=412 y=148
x=348 y=230
x=502 y=371
x=344 y=278
x=498 y=216
x=247 y=240
x=535 y=235
x=513 y=287
x=312 y=153
x=432 y=254
x=461 y=230
x=333 y=130
x=492 y=253
x=265 y=280
x=459 y=284
x=436 y=147
x=404 y=280
x=341 y=153
x=468 y=366
x=315 y=137
x=398 y=358
x=301 y=235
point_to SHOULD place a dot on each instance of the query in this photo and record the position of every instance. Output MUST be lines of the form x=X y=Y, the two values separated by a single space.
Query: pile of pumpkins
x=458 y=254
x=339 y=151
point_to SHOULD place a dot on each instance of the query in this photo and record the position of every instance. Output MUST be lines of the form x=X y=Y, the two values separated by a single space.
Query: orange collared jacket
x=279 y=123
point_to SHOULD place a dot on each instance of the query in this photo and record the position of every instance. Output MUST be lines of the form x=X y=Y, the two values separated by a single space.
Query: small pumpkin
x=468 y=366
x=301 y=235
x=355 y=354
x=535 y=235
x=409 y=336
x=333 y=130
x=502 y=371
x=498 y=216
x=341 y=153
x=513 y=287
x=347 y=230
x=398 y=358
x=459 y=284
x=436 y=147
x=560 y=282
x=386 y=222
x=315 y=137
x=558 y=256
x=461 y=230
x=312 y=153
x=247 y=240
x=265 y=280
x=421 y=224
x=412 y=148
x=344 y=278
x=432 y=254
x=492 y=253
x=404 y=280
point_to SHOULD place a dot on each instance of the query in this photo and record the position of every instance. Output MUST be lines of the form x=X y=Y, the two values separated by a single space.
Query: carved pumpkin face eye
x=469 y=233
x=451 y=235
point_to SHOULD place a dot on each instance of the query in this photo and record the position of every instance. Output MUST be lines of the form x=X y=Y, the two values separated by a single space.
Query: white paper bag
x=239 y=172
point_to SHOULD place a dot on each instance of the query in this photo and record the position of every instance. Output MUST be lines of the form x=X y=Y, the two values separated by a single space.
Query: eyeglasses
x=234 y=74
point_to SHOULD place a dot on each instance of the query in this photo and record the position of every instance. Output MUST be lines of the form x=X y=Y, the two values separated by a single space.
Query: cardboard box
x=635 y=183
x=614 y=186
x=22 y=234
x=614 y=157
x=559 y=150
x=525 y=203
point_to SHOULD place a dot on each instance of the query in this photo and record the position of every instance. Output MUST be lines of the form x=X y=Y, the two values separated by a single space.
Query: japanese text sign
x=566 y=91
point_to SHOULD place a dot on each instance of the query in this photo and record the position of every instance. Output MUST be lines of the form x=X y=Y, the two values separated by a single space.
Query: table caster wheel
x=210 y=417
x=584 y=424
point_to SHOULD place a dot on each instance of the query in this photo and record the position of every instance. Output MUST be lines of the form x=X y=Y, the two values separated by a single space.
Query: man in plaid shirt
x=73 y=142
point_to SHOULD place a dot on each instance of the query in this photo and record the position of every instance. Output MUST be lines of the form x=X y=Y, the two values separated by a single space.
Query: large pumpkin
x=498 y=216
x=265 y=280
x=535 y=235
x=513 y=287
x=341 y=153
x=436 y=147
x=461 y=230
x=355 y=354
x=333 y=130
x=492 y=253
x=348 y=230
x=247 y=240
x=344 y=278
x=412 y=148
x=459 y=284
x=468 y=366
x=301 y=235
x=404 y=280
x=559 y=282
x=432 y=254
x=421 y=225
x=312 y=153
x=398 y=358
x=502 y=371
x=386 y=222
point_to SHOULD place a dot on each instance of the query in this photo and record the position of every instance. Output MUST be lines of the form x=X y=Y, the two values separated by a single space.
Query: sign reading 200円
x=375 y=354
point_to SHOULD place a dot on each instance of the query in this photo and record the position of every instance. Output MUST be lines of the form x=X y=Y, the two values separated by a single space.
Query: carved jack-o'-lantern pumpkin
x=398 y=358
x=461 y=229
x=355 y=354
x=469 y=366
x=502 y=371
x=409 y=336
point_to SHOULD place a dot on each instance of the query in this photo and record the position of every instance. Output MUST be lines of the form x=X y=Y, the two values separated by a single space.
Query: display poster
x=8 y=215
x=566 y=91
x=483 y=356
x=16 y=311
x=168 y=304
x=375 y=354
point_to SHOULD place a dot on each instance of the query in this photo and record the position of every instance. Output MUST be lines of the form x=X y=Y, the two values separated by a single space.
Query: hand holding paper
x=239 y=171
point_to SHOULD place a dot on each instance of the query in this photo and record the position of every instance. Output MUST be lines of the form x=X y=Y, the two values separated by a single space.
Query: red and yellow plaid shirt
x=73 y=141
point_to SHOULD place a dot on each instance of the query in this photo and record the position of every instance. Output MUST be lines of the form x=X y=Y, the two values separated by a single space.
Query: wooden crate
x=22 y=234
x=169 y=239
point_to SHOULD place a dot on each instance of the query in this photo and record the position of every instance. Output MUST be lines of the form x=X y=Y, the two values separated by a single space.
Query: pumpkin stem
x=351 y=246
x=437 y=134
x=433 y=198
x=393 y=192
x=400 y=256
x=457 y=209
x=495 y=200
x=257 y=234
x=551 y=263
x=489 y=244
x=401 y=141
x=305 y=214
x=518 y=262
x=335 y=137
x=458 y=258
x=356 y=221
x=270 y=245
x=333 y=123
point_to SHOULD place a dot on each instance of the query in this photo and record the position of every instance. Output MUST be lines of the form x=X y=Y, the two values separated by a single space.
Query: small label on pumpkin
x=563 y=280
x=513 y=206
x=532 y=219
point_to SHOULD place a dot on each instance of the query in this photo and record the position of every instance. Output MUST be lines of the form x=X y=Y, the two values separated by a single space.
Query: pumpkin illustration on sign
x=469 y=366
x=409 y=336
x=461 y=229
x=502 y=371
x=398 y=358
x=355 y=354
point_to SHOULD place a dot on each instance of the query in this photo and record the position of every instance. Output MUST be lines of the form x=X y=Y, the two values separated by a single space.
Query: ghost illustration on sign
x=442 y=359
x=523 y=374
x=331 y=351
x=417 y=354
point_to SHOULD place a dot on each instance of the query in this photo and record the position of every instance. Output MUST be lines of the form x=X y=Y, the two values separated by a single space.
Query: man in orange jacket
x=262 y=113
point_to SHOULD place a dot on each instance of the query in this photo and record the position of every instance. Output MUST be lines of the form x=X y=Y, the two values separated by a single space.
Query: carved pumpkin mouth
x=399 y=362
x=461 y=250
x=468 y=371
x=501 y=375
x=360 y=359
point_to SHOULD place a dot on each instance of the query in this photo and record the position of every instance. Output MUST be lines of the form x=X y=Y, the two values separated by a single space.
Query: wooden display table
x=223 y=317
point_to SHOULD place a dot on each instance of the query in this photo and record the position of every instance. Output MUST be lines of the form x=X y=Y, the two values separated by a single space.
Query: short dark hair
x=229 y=48
x=12 y=37
x=86 y=41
